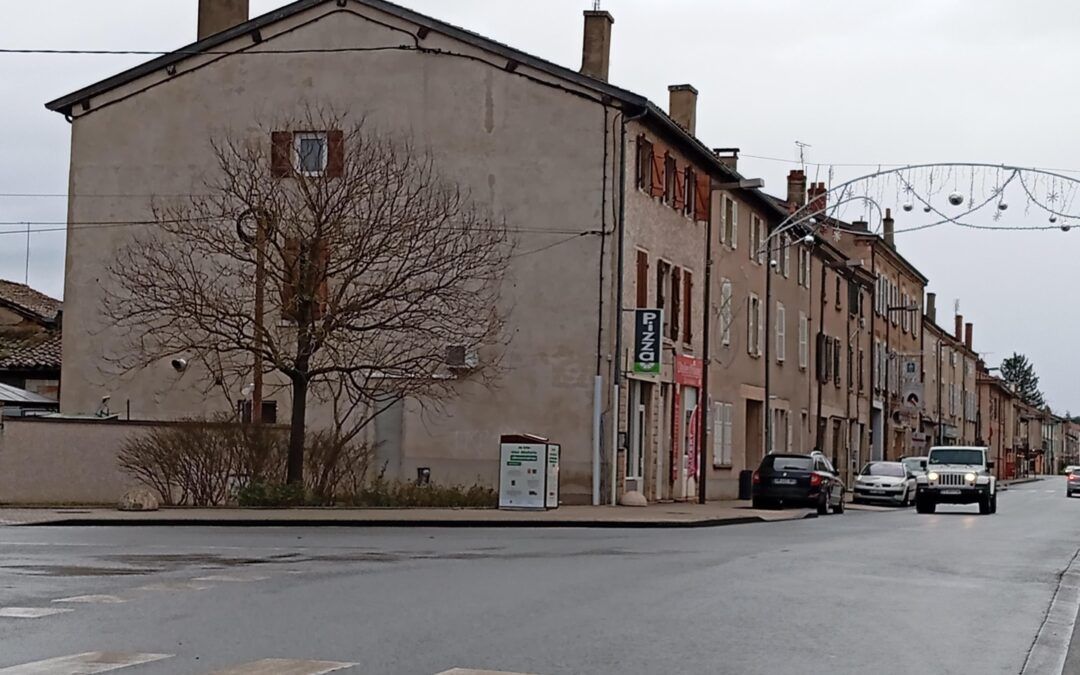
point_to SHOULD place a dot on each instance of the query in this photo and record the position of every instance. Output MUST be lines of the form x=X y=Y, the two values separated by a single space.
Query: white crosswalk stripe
x=93 y=599
x=283 y=667
x=83 y=664
x=30 y=612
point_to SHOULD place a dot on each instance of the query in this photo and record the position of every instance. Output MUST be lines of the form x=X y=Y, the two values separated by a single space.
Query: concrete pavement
x=882 y=592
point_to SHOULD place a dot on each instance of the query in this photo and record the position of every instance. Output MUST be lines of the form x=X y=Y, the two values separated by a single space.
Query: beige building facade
x=951 y=400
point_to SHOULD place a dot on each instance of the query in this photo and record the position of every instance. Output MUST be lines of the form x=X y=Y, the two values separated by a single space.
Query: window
x=730 y=230
x=676 y=303
x=850 y=368
x=725 y=312
x=781 y=333
x=838 y=298
x=642 y=279
x=753 y=325
x=824 y=358
x=688 y=306
x=663 y=277
x=804 y=268
x=757 y=239
x=644 y=164
x=905 y=315
x=310 y=153
x=269 y=412
x=723 y=433
x=689 y=185
x=862 y=369
x=804 y=340
x=785 y=255
x=836 y=361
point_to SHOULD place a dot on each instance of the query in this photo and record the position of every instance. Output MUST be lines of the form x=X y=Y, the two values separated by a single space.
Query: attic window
x=311 y=153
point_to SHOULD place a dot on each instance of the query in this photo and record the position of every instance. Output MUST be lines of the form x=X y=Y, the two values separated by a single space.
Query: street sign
x=648 y=326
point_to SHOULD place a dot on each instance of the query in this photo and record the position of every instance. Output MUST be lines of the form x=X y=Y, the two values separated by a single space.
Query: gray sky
x=862 y=82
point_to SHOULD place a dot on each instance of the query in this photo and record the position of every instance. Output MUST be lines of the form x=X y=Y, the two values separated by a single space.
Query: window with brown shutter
x=662 y=273
x=689 y=186
x=657 y=180
x=679 y=179
x=281 y=154
x=688 y=304
x=644 y=163
x=669 y=179
x=642 y=279
x=676 y=305
x=702 y=200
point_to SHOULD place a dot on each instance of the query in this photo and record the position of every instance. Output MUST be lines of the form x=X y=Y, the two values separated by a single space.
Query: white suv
x=957 y=475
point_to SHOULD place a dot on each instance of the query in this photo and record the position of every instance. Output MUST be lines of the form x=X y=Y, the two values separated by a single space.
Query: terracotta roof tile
x=21 y=296
x=38 y=352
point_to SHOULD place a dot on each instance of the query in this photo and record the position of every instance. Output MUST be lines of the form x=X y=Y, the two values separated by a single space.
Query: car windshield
x=792 y=463
x=914 y=463
x=956 y=457
x=883 y=469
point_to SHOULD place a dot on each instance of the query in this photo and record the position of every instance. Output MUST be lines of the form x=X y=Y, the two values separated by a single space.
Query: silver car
x=884 y=482
x=916 y=465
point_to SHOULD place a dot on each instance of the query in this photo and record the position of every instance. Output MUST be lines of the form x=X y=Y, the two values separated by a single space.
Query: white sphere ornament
x=956 y=199
x=908 y=206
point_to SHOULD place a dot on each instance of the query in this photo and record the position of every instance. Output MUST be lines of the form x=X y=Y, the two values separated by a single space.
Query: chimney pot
x=959 y=334
x=216 y=16
x=796 y=189
x=968 y=329
x=889 y=227
x=819 y=200
x=729 y=157
x=931 y=307
x=596 y=52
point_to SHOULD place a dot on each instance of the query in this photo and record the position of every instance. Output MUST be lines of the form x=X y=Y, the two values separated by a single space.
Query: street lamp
x=888 y=370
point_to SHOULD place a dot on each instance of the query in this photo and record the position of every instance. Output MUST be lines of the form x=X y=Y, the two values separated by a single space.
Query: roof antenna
x=596 y=5
x=802 y=149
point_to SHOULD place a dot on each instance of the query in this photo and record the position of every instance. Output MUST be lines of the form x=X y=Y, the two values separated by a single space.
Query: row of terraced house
x=774 y=338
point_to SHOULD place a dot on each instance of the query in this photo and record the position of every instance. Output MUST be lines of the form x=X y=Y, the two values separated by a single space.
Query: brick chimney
x=216 y=16
x=818 y=198
x=728 y=156
x=682 y=106
x=931 y=307
x=796 y=188
x=959 y=327
x=889 y=226
x=596 y=54
x=968 y=329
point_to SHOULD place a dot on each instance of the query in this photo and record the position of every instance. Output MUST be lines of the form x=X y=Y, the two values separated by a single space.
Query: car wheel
x=760 y=503
x=984 y=506
x=993 y=503
x=823 y=505
x=924 y=505
x=906 y=501
x=839 y=508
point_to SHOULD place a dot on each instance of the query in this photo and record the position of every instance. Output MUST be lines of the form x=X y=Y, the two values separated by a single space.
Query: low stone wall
x=58 y=461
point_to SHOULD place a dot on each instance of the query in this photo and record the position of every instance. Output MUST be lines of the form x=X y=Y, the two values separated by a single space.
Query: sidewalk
x=677 y=515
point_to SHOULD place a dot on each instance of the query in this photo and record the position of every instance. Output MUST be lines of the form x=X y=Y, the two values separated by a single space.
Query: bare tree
x=341 y=259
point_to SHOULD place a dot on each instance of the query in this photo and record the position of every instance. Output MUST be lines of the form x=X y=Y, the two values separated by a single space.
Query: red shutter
x=281 y=154
x=688 y=304
x=657 y=182
x=335 y=153
x=642 y=279
x=290 y=276
x=680 y=190
x=702 y=198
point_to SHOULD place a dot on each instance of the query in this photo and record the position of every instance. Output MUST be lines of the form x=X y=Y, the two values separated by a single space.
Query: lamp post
x=888 y=370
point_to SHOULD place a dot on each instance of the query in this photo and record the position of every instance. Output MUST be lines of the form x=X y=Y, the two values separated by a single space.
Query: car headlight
x=932 y=475
x=969 y=477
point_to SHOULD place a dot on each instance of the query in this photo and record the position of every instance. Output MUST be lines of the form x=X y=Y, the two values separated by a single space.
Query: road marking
x=283 y=667
x=83 y=664
x=175 y=586
x=94 y=599
x=467 y=671
x=30 y=613
x=1051 y=646
x=227 y=578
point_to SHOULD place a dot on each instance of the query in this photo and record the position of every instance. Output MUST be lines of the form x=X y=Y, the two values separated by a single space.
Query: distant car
x=916 y=465
x=786 y=479
x=889 y=482
x=1072 y=483
x=1072 y=468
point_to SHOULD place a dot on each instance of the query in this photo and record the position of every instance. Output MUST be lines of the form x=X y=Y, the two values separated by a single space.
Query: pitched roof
x=36 y=352
x=29 y=302
x=9 y=394
x=634 y=103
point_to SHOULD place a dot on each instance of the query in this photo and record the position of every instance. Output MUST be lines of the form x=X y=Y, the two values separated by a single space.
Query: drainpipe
x=704 y=407
x=598 y=378
x=819 y=351
x=620 y=258
x=768 y=339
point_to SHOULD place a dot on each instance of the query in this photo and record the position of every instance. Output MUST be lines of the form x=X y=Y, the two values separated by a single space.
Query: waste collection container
x=746 y=484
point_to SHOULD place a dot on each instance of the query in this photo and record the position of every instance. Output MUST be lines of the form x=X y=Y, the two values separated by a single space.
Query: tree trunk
x=295 y=469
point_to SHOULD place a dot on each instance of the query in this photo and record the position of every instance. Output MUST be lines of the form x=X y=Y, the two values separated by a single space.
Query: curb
x=488 y=524
x=1050 y=649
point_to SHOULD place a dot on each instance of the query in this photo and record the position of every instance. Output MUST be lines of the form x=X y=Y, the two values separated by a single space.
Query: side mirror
x=990 y=464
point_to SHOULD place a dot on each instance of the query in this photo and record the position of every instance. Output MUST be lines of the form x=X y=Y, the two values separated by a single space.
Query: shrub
x=399 y=494
x=271 y=495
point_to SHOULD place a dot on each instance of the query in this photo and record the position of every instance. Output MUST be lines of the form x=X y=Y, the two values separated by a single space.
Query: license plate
x=951 y=492
x=784 y=481
x=877 y=492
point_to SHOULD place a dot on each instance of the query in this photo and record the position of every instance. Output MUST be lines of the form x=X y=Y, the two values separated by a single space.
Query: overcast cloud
x=862 y=82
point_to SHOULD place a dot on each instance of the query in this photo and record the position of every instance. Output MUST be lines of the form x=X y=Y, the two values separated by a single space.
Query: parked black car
x=785 y=479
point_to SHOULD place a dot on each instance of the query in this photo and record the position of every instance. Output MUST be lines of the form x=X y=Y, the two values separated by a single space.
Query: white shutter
x=718 y=434
x=804 y=339
x=787 y=416
x=761 y=327
x=781 y=333
x=734 y=224
x=725 y=312
x=751 y=329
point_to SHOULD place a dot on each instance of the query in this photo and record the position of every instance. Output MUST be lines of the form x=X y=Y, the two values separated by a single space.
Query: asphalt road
x=865 y=592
